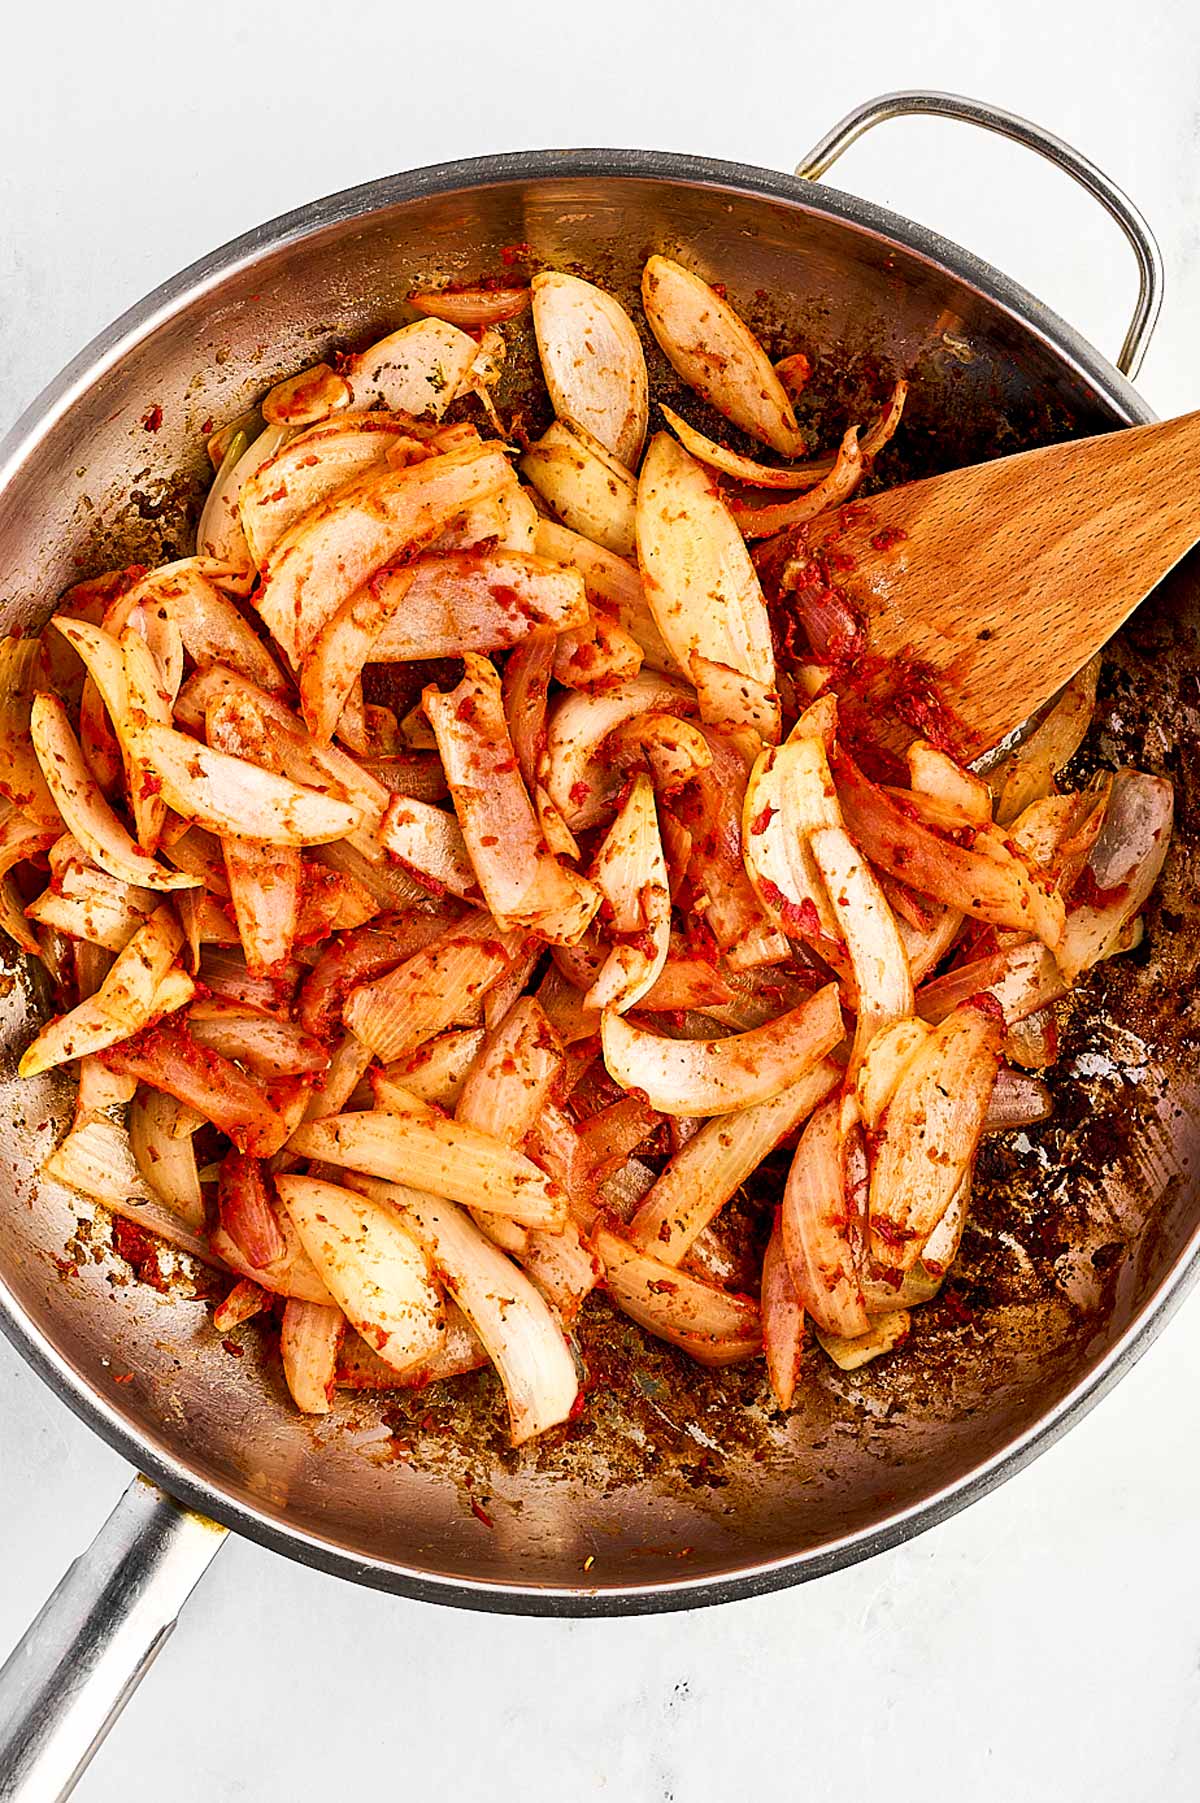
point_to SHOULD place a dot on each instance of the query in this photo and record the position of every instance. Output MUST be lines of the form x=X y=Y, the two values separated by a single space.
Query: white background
x=1046 y=1645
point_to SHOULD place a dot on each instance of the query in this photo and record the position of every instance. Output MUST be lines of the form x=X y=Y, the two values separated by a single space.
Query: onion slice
x=717 y=354
x=331 y=550
x=831 y=491
x=417 y=370
x=713 y=1326
x=1028 y=772
x=995 y=887
x=310 y=1338
x=631 y=875
x=585 y=485
x=743 y=469
x=719 y=1076
x=882 y=978
x=822 y=1220
x=699 y=580
x=456 y=601
x=168 y=1058
x=471 y=308
x=439 y=1156
x=579 y=784
x=1122 y=869
x=713 y=1165
x=229 y=795
x=782 y=1321
x=308 y=467
x=934 y=1121
x=441 y=985
x=523 y=883
x=592 y=361
x=372 y=1266
x=614 y=587
x=522 y=1338
x=22 y=778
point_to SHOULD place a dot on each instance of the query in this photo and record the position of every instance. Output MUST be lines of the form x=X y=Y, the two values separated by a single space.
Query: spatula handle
x=1114 y=200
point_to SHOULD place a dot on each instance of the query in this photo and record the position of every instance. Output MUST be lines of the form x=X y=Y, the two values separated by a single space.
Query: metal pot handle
x=78 y=1663
x=1022 y=131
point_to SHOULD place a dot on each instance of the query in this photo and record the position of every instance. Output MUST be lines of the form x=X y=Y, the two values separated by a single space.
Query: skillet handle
x=66 y=1681
x=906 y=102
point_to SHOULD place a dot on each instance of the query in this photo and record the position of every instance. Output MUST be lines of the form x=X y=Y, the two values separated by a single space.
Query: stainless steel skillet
x=678 y=1488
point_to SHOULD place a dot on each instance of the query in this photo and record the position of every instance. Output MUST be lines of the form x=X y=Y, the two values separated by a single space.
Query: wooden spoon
x=1006 y=577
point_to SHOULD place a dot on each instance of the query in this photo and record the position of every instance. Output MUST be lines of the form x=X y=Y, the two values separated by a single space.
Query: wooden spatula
x=1007 y=576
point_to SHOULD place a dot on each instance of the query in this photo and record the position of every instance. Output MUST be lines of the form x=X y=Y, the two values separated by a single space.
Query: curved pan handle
x=66 y=1681
x=1142 y=241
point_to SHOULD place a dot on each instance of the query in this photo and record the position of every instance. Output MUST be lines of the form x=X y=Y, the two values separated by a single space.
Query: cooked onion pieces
x=719 y=1076
x=589 y=489
x=440 y=1156
x=371 y=1265
x=699 y=580
x=715 y=1327
x=717 y=354
x=822 y=1221
x=592 y=361
x=632 y=877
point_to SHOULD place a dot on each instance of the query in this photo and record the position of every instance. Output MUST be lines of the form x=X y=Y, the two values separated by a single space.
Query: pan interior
x=671 y=1475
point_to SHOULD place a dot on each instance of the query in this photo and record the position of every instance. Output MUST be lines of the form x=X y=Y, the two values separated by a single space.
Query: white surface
x=1047 y=1643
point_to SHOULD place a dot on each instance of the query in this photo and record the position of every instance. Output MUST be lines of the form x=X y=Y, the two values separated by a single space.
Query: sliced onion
x=596 y=656
x=95 y=1159
x=273 y=1048
x=165 y=1156
x=306 y=398
x=831 y=491
x=888 y=1056
x=592 y=361
x=885 y=1334
x=469 y=307
x=882 y=979
x=417 y=370
x=782 y=1321
x=211 y=627
x=1017 y=1100
x=371 y=1264
x=1022 y=978
x=1033 y=1041
x=1028 y=772
x=231 y=796
x=428 y=841
x=219 y=534
x=522 y=1338
x=927 y=947
x=94 y=1026
x=307 y=468
x=714 y=1164
x=459 y=1351
x=22 y=778
x=613 y=585
x=88 y=904
x=335 y=546
x=473 y=601
x=309 y=1340
x=736 y=703
x=1123 y=867
x=713 y=1326
x=244 y=1301
x=1002 y=892
x=525 y=689
x=611 y=1134
x=698 y=577
x=711 y=810
x=821 y=1221
x=579 y=784
x=590 y=491
x=440 y=986
x=632 y=877
x=965 y=796
x=564 y=1009
x=934 y=1121
x=168 y=1058
x=362 y=956
x=507 y=1086
x=440 y=1156
x=674 y=749
x=437 y=1070
x=789 y=796
x=563 y=1268
x=715 y=352
x=522 y=882
x=719 y=1076
x=248 y=1212
x=743 y=469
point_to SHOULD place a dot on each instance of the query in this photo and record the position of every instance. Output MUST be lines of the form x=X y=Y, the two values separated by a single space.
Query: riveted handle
x=916 y=101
